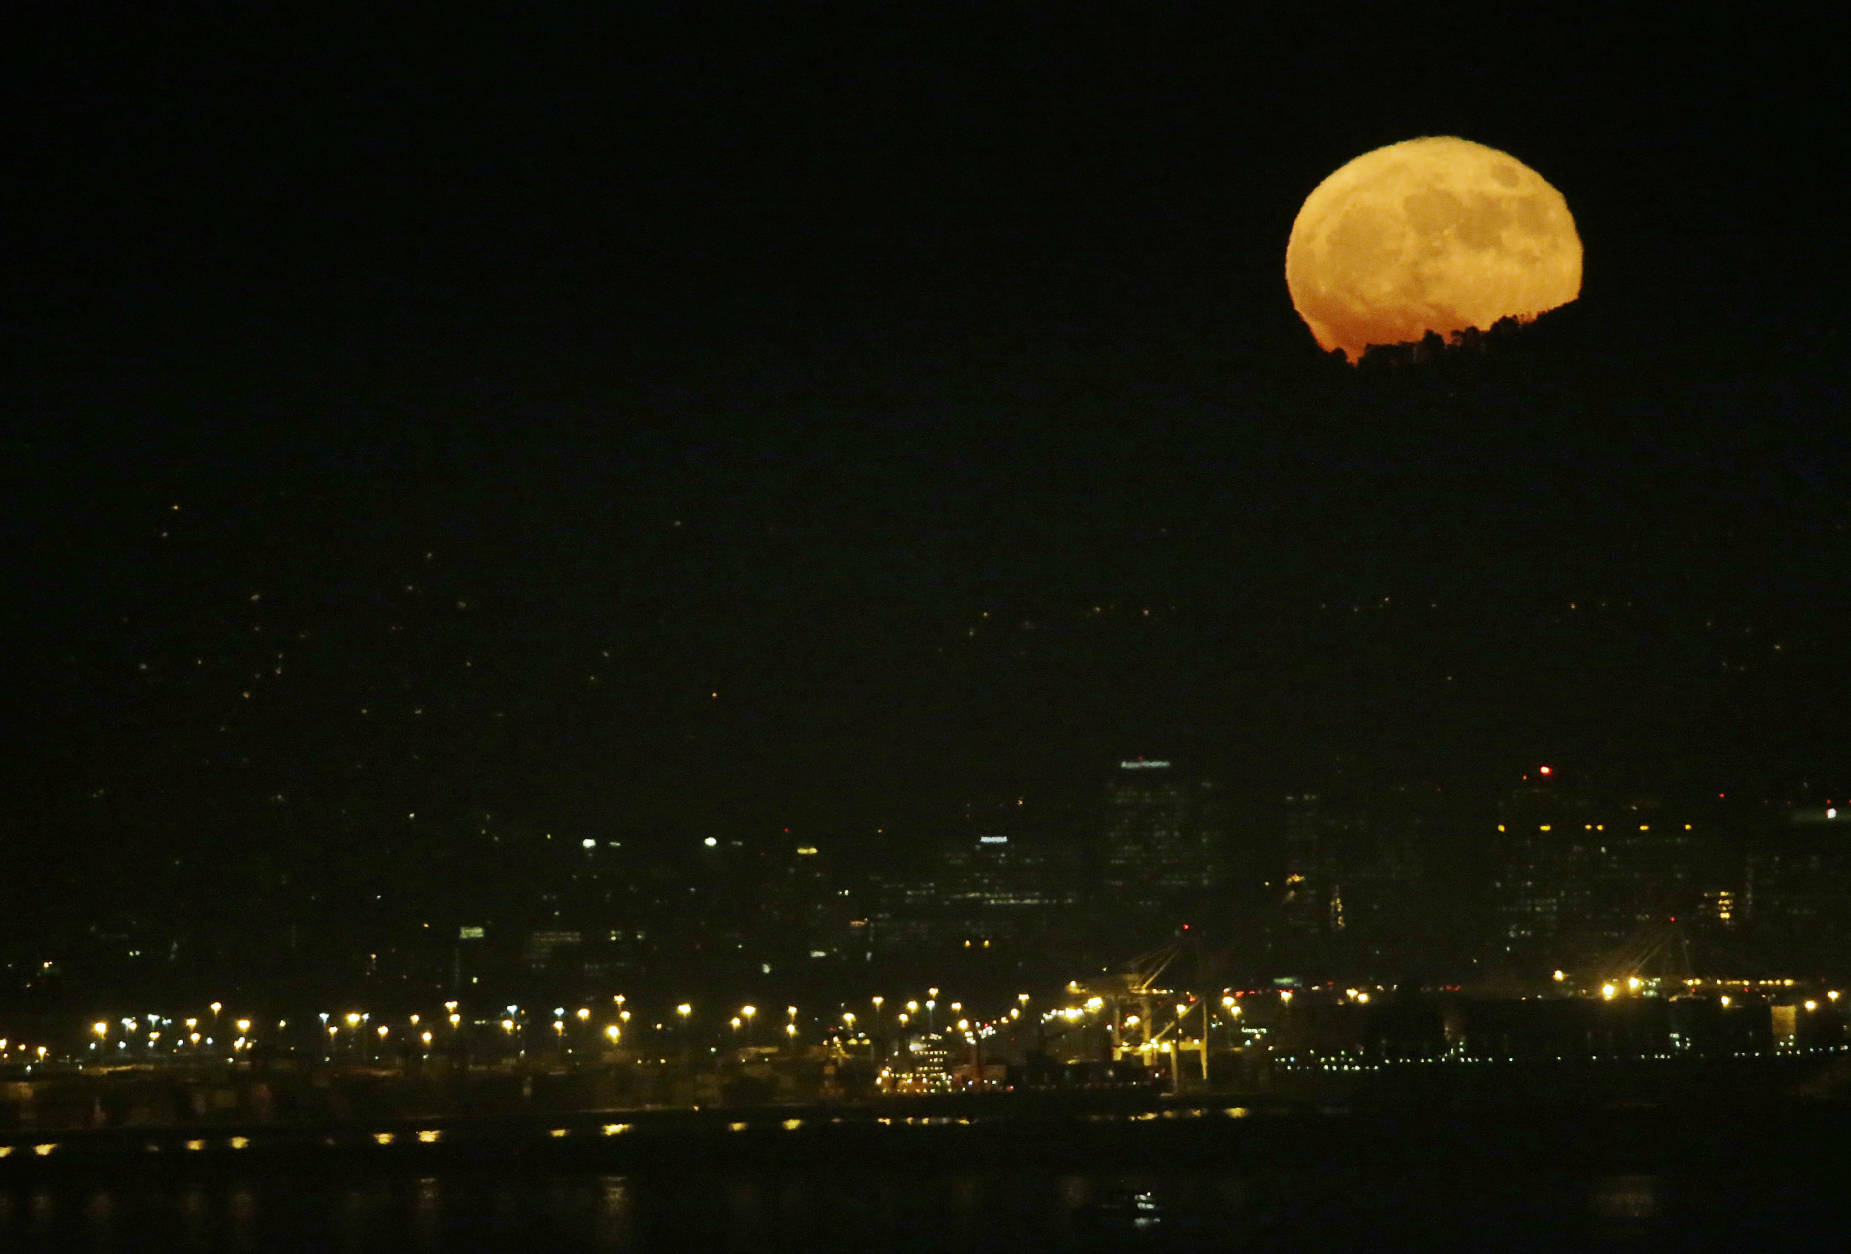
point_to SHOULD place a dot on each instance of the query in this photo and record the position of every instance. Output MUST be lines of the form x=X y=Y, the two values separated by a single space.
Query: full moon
x=1436 y=234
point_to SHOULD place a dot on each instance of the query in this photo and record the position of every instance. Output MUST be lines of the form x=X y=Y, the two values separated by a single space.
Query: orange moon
x=1436 y=234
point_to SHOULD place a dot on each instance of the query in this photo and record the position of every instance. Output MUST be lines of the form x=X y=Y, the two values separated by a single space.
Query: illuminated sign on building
x=1141 y=765
x=469 y=933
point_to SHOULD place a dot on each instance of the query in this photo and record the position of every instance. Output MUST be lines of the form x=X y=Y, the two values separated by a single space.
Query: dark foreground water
x=788 y=1210
x=1493 y=1183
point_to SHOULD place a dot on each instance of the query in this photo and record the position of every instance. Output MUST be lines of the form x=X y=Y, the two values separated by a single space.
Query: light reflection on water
x=1001 y=1208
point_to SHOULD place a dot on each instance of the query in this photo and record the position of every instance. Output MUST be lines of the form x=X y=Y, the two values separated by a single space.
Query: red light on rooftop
x=1545 y=770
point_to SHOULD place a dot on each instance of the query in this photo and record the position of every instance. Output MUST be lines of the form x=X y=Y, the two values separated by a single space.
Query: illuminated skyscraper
x=1155 y=846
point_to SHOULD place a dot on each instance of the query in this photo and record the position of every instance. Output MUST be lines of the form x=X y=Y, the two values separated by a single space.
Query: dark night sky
x=522 y=382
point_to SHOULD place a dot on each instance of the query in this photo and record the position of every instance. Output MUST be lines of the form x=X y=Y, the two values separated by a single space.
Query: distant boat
x=1122 y=1208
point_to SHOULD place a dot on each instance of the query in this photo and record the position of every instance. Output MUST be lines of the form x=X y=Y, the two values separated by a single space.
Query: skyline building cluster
x=1404 y=882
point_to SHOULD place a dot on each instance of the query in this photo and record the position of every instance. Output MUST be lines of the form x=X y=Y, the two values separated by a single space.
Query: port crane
x=1137 y=983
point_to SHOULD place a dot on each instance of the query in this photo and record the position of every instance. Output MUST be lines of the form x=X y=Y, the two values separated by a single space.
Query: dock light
x=507 y=1025
x=449 y=1007
x=1559 y=975
x=790 y=1030
x=584 y=1013
x=1362 y=999
x=613 y=1032
x=353 y=1019
x=382 y=1031
x=244 y=1026
x=684 y=1010
x=1811 y=1004
x=1608 y=991
x=216 y=1007
x=425 y=1037
x=455 y=1020
x=1723 y=1001
x=100 y=1028
x=415 y=1020
x=1285 y=996
x=1831 y=995
x=1632 y=983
